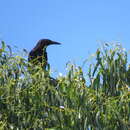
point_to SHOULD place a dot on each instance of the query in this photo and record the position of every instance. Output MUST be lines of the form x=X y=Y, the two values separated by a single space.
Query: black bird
x=38 y=54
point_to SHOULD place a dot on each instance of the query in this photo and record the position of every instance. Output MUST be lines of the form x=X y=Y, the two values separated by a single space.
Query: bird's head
x=46 y=42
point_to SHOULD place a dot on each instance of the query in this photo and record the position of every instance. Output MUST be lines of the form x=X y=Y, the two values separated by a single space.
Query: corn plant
x=30 y=100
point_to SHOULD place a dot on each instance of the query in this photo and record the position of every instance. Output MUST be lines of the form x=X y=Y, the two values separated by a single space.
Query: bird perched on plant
x=39 y=54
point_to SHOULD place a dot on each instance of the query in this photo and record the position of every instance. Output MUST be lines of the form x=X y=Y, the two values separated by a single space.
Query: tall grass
x=28 y=100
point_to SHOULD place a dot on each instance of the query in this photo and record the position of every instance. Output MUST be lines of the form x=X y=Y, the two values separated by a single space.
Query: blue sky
x=79 y=25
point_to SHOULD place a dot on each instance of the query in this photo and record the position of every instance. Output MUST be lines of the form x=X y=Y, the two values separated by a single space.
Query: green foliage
x=30 y=100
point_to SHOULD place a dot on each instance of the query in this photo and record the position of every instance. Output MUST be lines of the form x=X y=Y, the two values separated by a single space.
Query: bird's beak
x=56 y=43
